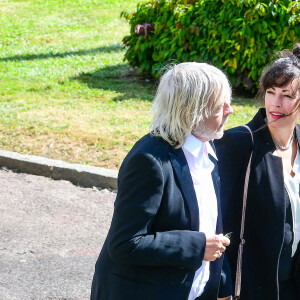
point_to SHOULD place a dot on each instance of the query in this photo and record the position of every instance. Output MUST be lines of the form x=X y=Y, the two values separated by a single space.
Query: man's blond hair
x=187 y=93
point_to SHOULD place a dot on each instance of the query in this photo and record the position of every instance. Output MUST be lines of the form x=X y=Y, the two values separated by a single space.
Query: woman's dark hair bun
x=296 y=50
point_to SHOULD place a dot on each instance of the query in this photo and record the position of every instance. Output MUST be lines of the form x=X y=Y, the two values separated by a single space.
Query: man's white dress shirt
x=196 y=153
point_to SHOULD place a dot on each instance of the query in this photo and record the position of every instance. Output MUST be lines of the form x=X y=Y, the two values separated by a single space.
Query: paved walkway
x=51 y=233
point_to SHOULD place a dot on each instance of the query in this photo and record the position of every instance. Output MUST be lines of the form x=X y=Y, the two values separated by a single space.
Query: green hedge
x=238 y=36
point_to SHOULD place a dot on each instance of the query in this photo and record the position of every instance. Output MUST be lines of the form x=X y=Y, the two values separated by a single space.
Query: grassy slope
x=65 y=92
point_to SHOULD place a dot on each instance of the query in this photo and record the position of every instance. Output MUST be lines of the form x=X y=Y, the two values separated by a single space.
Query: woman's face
x=282 y=105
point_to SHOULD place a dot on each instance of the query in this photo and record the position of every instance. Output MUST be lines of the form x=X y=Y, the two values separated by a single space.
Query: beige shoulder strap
x=237 y=291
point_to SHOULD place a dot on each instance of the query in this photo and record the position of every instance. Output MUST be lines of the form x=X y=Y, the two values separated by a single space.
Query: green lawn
x=65 y=91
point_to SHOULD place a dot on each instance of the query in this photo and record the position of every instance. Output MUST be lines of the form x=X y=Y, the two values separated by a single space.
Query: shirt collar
x=194 y=146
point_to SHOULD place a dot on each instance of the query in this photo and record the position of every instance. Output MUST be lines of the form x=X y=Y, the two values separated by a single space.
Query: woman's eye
x=270 y=92
x=288 y=96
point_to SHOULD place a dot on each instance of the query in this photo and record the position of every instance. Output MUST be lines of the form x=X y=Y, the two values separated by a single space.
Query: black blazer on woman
x=266 y=206
x=153 y=247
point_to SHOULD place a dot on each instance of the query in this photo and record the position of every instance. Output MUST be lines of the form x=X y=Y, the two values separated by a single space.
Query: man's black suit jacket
x=153 y=247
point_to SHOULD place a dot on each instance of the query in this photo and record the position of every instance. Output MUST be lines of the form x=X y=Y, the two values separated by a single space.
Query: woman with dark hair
x=270 y=259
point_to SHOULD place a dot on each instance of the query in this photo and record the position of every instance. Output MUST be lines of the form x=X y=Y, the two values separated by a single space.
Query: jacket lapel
x=264 y=147
x=298 y=133
x=274 y=171
x=185 y=181
x=216 y=182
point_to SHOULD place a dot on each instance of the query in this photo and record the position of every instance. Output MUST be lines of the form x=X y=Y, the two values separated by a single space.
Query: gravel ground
x=51 y=233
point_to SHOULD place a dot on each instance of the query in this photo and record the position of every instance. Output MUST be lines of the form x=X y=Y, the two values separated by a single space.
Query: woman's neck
x=281 y=135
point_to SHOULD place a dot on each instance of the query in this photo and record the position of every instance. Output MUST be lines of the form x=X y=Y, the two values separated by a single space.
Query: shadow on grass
x=131 y=84
x=122 y=79
x=106 y=49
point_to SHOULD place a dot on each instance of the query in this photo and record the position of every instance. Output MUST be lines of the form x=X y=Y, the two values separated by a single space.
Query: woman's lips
x=276 y=115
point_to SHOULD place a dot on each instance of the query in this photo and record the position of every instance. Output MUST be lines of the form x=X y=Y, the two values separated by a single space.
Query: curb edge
x=83 y=175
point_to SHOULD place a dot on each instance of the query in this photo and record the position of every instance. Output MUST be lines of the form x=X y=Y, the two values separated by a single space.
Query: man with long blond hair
x=165 y=241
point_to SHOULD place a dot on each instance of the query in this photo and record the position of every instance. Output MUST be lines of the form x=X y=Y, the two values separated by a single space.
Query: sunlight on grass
x=65 y=91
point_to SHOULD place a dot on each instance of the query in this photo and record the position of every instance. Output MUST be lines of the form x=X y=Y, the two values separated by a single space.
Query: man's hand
x=215 y=246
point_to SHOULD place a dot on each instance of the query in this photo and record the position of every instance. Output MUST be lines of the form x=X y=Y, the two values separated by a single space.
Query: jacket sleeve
x=131 y=240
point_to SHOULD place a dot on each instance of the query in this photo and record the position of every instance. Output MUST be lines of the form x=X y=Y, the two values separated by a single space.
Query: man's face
x=213 y=127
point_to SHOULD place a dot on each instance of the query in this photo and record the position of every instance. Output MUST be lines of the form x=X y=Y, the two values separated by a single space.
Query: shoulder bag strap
x=237 y=291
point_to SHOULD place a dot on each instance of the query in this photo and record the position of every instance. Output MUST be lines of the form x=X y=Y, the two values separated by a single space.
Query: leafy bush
x=238 y=36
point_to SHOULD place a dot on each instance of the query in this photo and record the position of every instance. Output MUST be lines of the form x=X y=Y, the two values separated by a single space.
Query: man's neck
x=202 y=139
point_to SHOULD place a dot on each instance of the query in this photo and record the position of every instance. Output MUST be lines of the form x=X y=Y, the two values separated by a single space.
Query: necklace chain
x=285 y=147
